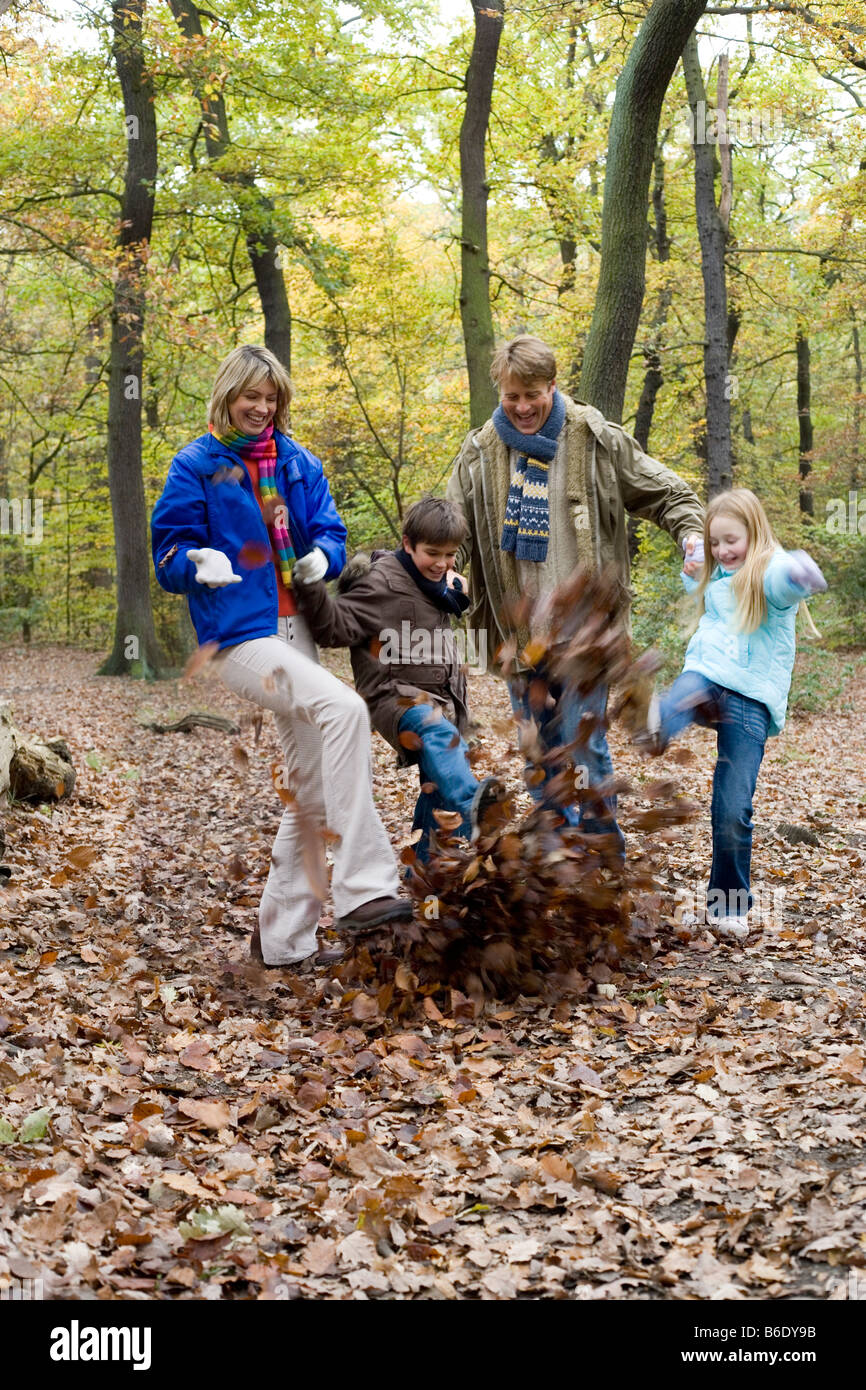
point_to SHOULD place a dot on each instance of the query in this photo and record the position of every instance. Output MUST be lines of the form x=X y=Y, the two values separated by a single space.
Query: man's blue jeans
x=741 y=725
x=557 y=728
x=443 y=760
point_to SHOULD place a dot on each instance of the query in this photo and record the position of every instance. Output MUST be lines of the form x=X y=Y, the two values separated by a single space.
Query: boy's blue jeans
x=557 y=727
x=442 y=759
x=742 y=733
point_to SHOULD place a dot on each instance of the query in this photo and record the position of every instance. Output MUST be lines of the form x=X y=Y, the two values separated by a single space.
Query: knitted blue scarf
x=527 y=512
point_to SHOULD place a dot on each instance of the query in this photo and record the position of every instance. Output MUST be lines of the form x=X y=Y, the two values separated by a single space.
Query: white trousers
x=324 y=728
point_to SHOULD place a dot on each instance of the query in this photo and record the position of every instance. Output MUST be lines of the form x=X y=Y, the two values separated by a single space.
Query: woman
x=245 y=512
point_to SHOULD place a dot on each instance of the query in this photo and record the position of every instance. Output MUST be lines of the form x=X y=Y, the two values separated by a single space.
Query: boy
x=394 y=610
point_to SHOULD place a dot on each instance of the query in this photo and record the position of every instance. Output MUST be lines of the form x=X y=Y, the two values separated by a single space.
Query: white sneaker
x=649 y=739
x=729 y=928
x=653 y=715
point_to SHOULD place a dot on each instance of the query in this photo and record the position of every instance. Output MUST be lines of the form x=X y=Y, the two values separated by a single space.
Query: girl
x=737 y=674
x=239 y=505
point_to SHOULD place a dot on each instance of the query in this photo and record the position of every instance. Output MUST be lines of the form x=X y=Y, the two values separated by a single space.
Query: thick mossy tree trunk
x=631 y=148
x=475 y=312
x=255 y=207
x=713 y=236
x=135 y=650
x=804 y=419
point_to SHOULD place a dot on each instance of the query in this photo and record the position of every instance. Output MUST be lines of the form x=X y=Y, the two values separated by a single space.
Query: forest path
x=698 y=1134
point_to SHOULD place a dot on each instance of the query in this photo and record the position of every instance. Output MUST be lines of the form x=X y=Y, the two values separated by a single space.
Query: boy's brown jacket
x=380 y=613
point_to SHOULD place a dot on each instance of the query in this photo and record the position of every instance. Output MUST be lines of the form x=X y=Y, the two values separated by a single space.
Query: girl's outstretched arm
x=791 y=576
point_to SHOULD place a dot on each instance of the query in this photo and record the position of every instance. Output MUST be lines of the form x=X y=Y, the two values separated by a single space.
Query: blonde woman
x=244 y=513
x=737 y=674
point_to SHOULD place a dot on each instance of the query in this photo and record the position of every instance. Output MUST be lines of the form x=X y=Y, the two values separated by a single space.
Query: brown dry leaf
x=364 y=1007
x=253 y=555
x=404 y=978
x=557 y=1167
x=278 y=777
x=199 y=659
x=319 y=1255
x=580 y=1072
x=369 y=1160
x=198 y=1056
x=241 y=759
x=82 y=856
x=312 y=1095
x=213 y=1114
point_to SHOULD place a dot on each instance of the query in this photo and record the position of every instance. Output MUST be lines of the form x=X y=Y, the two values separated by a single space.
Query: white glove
x=803 y=572
x=693 y=549
x=213 y=568
x=312 y=566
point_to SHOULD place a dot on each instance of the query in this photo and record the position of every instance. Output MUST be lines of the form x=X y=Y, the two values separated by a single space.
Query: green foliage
x=661 y=611
x=349 y=129
x=840 y=614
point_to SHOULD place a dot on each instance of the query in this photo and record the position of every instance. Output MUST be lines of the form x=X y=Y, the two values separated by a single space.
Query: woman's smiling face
x=255 y=407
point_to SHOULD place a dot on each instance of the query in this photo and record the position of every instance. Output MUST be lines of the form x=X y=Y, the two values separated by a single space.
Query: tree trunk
x=804 y=417
x=631 y=149
x=135 y=650
x=653 y=377
x=712 y=232
x=475 y=313
x=854 y=480
x=255 y=207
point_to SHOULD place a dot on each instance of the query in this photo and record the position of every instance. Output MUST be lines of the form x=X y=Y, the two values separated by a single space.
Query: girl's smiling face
x=255 y=407
x=729 y=542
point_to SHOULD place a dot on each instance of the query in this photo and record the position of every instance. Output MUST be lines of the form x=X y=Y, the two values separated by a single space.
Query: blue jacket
x=757 y=664
x=197 y=509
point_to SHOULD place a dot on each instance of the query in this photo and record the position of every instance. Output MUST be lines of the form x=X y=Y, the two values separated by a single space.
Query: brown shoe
x=329 y=956
x=374 y=914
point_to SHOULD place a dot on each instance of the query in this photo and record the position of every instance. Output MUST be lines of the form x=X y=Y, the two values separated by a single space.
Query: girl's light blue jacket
x=757 y=664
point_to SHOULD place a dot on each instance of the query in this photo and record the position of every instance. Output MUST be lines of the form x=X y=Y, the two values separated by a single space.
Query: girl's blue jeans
x=741 y=726
x=557 y=728
x=443 y=760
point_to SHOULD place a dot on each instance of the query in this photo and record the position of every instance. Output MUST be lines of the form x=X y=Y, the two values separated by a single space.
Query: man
x=545 y=486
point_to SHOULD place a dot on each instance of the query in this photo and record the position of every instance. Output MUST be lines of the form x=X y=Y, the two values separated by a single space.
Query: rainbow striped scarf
x=261 y=449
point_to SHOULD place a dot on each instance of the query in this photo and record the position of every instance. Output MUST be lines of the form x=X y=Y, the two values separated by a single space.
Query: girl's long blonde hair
x=748 y=582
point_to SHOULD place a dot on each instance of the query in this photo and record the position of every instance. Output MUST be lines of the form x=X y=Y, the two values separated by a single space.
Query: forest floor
x=178 y=1122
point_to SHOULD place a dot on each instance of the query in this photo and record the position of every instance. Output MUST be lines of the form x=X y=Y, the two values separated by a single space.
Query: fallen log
x=41 y=770
x=195 y=719
x=33 y=769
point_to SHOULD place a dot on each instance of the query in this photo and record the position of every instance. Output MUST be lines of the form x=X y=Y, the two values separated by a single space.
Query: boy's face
x=526 y=404
x=434 y=561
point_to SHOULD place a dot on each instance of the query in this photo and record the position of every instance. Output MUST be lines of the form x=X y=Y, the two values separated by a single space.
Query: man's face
x=526 y=404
